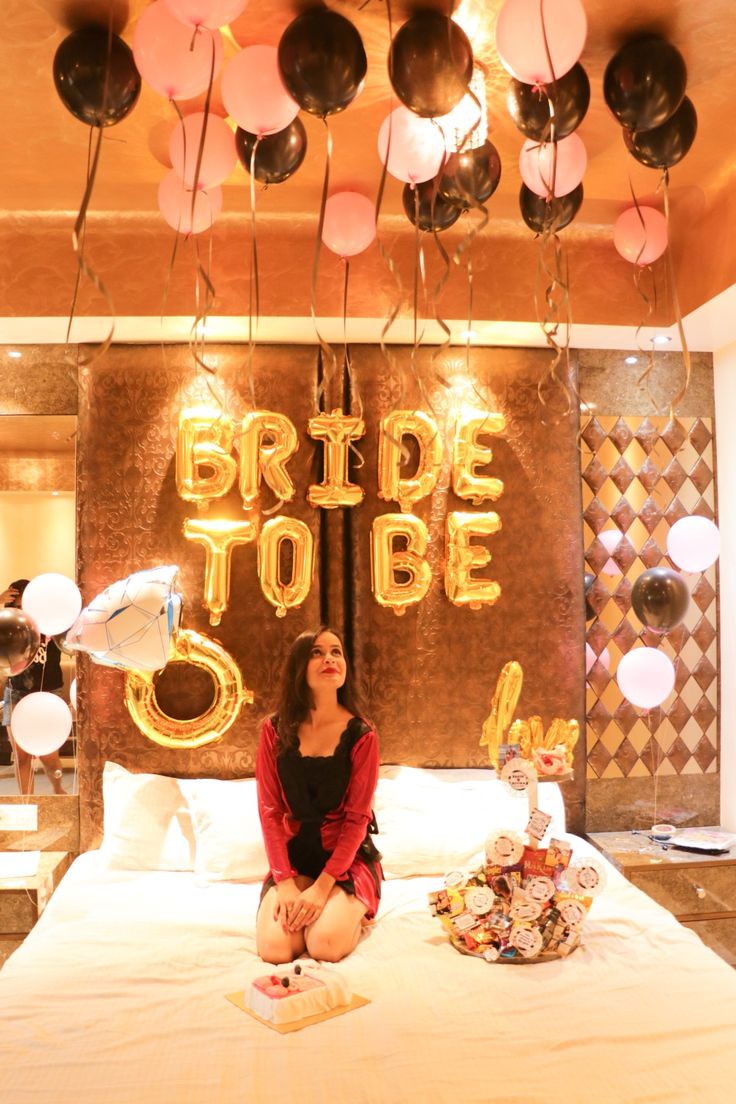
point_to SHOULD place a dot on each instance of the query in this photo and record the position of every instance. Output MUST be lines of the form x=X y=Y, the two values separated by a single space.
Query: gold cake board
x=238 y=999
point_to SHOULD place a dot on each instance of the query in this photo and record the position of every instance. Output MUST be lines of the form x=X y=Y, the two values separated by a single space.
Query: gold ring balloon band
x=208 y=727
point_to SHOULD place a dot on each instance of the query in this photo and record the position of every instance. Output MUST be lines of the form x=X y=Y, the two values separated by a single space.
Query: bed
x=118 y=996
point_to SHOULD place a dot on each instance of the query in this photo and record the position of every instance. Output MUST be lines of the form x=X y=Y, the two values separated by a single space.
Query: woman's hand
x=307 y=906
x=287 y=892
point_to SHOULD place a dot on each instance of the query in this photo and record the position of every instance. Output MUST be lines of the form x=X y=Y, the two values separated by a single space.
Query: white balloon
x=41 y=723
x=694 y=543
x=130 y=624
x=645 y=676
x=53 y=601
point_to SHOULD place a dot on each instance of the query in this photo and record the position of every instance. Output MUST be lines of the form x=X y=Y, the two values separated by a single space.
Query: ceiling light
x=661 y=339
x=14 y=353
x=468 y=335
x=631 y=360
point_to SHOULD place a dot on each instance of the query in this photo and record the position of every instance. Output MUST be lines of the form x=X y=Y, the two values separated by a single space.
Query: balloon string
x=79 y=231
x=389 y=264
x=323 y=394
x=197 y=338
x=650 y=303
x=665 y=185
x=353 y=388
x=254 y=290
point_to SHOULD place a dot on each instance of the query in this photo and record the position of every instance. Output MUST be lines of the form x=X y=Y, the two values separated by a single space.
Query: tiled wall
x=641 y=473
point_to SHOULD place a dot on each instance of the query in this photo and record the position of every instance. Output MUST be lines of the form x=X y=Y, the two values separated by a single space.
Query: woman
x=44 y=673
x=316 y=769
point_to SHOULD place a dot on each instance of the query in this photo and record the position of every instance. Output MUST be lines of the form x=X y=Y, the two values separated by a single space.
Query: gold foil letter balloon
x=219 y=538
x=285 y=596
x=337 y=430
x=204 y=467
x=391 y=486
x=463 y=557
x=386 y=561
x=268 y=441
x=468 y=454
x=208 y=727
x=503 y=705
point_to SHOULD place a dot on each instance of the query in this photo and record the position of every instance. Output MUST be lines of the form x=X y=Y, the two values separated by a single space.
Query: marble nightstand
x=22 y=900
x=699 y=889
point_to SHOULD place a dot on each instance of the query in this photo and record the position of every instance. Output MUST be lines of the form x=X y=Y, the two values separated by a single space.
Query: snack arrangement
x=526 y=903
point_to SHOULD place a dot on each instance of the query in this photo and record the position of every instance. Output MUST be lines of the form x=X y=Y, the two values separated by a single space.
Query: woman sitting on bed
x=316 y=770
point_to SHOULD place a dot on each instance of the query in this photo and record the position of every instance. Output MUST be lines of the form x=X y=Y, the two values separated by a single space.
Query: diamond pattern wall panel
x=640 y=476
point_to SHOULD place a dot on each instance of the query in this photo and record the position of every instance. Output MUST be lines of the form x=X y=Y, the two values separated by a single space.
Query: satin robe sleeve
x=272 y=807
x=357 y=808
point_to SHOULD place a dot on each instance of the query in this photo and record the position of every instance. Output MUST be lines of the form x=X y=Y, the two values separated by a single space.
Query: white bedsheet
x=118 y=997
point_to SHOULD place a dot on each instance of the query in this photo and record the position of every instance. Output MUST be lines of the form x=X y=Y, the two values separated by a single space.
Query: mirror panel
x=38 y=534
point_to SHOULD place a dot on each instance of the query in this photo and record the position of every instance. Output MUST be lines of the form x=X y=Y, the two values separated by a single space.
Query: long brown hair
x=296 y=699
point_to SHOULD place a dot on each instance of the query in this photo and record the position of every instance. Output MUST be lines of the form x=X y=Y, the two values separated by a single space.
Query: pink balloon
x=206 y=13
x=350 y=223
x=694 y=543
x=541 y=168
x=53 y=601
x=41 y=723
x=175 y=204
x=640 y=236
x=254 y=93
x=645 y=677
x=417 y=146
x=219 y=156
x=165 y=57
x=520 y=38
x=591 y=657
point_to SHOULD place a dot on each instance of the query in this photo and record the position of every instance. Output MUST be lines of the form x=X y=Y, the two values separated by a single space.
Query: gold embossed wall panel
x=130 y=518
x=429 y=675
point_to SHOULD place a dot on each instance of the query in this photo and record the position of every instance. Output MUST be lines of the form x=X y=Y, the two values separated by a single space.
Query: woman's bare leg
x=336 y=931
x=272 y=942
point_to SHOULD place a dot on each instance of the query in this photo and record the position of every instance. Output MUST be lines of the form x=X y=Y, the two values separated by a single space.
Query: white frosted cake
x=295 y=992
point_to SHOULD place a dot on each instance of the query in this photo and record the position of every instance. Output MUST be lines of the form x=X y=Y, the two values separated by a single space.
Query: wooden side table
x=700 y=890
x=22 y=900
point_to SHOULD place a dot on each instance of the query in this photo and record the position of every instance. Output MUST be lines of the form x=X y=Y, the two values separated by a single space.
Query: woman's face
x=326 y=664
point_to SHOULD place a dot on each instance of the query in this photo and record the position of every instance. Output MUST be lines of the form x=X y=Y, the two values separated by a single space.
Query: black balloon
x=85 y=62
x=664 y=146
x=644 y=83
x=19 y=641
x=278 y=155
x=588 y=580
x=430 y=64
x=426 y=208
x=530 y=109
x=322 y=61
x=541 y=215
x=660 y=598
x=471 y=175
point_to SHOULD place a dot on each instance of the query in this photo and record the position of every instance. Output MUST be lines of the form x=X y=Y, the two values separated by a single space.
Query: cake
x=295 y=992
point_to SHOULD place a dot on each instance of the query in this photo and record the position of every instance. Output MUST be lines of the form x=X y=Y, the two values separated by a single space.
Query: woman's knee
x=275 y=950
x=329 y=946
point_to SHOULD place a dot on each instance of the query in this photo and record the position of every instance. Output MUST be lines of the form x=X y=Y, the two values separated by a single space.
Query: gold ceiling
x=44 y=158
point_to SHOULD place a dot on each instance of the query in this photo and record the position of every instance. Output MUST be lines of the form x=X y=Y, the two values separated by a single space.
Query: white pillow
x=146 y=823
x=227 y=829
x=432 y=821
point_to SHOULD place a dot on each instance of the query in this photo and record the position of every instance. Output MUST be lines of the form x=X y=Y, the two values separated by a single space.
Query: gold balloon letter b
x=203 y=445
x=386 y=561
